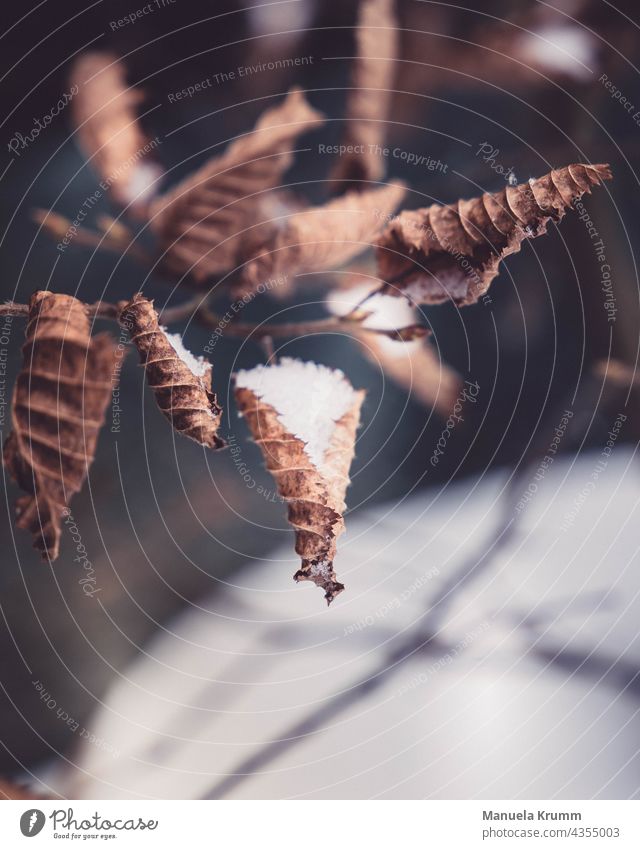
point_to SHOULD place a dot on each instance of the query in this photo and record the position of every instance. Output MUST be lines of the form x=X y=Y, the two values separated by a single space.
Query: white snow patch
x=567 y=49
x=198 y=365
x=387 y=313
x=321 y=570
x=308 y=398
x=143 y=182
x=283 y=23
x=454 y=283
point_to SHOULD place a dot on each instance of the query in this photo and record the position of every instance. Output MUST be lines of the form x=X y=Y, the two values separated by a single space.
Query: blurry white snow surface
x=526 y=684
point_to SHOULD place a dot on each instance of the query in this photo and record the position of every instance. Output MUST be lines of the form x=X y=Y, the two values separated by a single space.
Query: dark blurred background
x=164 y=523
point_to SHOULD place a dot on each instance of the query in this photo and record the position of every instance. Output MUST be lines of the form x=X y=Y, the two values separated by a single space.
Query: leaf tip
x=322 y=574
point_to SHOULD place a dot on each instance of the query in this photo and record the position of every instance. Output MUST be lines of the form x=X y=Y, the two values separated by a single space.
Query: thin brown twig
x=341 y=324
x=356 y=313
x=113 y=238
x=11 y=308
x=269 y=350
x=198 y=309
x=179 y=312
x=101 y=309
x=244 y=329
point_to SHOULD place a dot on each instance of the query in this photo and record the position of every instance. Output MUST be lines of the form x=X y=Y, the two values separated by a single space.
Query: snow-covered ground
x=521 y=680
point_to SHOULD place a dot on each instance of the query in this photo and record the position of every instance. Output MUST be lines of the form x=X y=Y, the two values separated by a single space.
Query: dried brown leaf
x=416 y=367
x=315 y=498
x=322 y=237
x=182 y=389
x=454 y=252
x=59 y=401
x=368 y=101
x=202 y=223
x=105 y=112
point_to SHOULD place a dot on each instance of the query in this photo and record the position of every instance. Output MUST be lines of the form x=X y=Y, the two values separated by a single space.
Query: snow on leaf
x=453 y=252
x=304 y=417
x=180 y=381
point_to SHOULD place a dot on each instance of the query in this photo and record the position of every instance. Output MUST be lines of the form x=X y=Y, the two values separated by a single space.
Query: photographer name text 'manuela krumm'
x=531 y=815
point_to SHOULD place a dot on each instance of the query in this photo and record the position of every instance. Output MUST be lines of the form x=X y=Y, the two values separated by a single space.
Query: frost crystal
x=308 y=399
x=198 y=365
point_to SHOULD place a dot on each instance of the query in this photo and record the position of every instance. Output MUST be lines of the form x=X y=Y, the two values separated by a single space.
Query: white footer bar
x=322 y=824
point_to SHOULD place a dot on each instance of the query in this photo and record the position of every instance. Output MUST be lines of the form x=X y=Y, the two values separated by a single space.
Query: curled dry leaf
x=58 y=408
x=322 y=237
x=180 y=381
x=105 y=112
x=304 y=417
x=370 y=95
x=418 y=369
x=414 y=364
x=453 y=252
x=202 y=223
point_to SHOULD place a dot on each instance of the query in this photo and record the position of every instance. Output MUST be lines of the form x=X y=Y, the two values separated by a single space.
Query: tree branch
x=343 y=324
x=198 y=309
x=115 y=236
